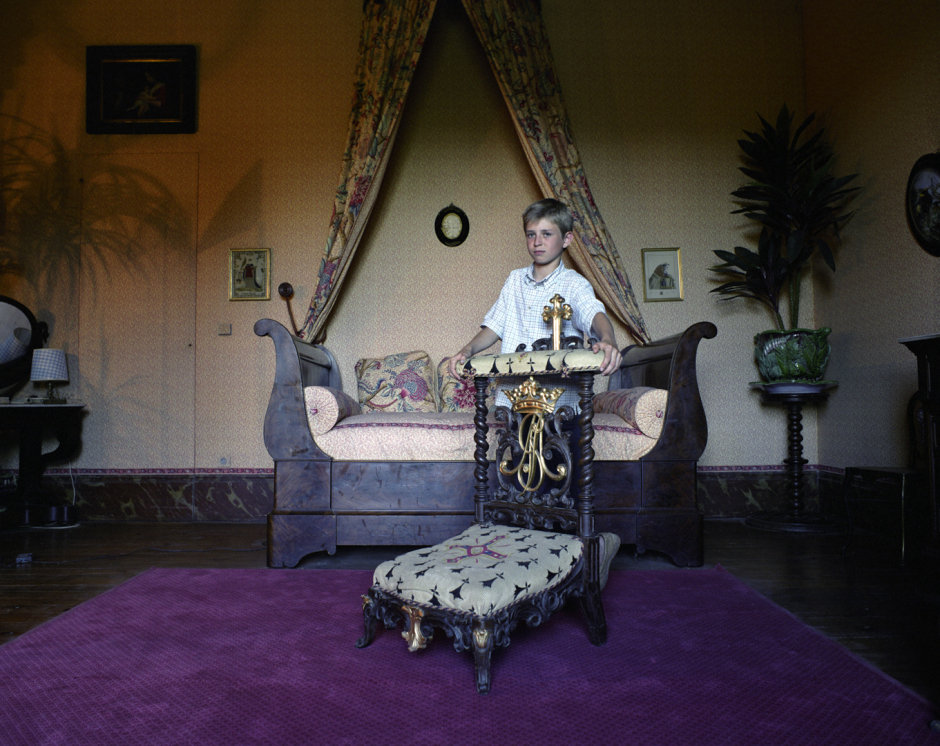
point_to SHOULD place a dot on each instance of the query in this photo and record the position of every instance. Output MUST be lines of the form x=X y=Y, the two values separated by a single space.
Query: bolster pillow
x=326 y=407
x=642 y=407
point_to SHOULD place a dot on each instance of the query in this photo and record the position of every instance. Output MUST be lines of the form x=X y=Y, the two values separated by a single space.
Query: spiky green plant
x=800 y=207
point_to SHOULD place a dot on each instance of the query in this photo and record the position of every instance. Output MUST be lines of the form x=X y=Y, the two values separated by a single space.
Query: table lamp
x=49 y=367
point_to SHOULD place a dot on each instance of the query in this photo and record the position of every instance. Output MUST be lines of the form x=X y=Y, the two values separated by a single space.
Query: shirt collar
x=548 y=280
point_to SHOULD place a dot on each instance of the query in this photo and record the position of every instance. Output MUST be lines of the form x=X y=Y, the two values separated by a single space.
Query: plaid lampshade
x=15 y=346
x=49 y=365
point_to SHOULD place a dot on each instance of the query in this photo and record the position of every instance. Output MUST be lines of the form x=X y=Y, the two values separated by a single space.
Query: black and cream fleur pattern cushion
x=483 y=569
x=543 y=362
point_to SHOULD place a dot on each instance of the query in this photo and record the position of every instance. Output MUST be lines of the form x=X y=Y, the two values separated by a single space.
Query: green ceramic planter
x=797 y=355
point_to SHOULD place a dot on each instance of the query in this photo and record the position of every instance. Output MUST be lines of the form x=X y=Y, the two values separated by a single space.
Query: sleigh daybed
x=407 y=479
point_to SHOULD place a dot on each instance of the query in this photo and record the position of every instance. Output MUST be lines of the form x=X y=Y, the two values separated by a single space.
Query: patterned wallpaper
x=875 y=81
x=657 y=101
x=660 y=178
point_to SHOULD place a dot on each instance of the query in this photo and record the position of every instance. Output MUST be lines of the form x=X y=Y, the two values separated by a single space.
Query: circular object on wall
x=20 y=334
x=923 y=202
x=452 y=226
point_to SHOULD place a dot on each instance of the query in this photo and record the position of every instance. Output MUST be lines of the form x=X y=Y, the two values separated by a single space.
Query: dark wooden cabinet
x=924 y=414
x=30 y=505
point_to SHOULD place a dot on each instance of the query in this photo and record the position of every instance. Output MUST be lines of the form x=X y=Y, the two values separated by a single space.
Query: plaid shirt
x=517 y=318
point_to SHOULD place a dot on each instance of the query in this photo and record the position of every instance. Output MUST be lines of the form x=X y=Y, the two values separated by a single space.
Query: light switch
x=225 y=330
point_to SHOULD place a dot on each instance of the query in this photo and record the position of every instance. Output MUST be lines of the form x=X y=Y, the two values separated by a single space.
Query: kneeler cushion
x=482 y=570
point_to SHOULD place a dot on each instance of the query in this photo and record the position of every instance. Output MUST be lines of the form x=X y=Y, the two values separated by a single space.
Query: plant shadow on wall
x=68 y=223
x=47 y=227
x=800 y=208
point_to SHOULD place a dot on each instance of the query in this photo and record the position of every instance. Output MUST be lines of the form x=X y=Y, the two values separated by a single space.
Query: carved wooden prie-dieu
x=536 y=474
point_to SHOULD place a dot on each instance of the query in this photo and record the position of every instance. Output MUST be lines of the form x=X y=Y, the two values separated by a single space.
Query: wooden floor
x=866 y=603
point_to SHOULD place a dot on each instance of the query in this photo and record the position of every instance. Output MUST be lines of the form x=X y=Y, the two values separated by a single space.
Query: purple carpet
x=237 y=657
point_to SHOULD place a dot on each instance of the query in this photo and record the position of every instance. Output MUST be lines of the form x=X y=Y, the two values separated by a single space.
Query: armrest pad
x=641 y=407
x=326 y=406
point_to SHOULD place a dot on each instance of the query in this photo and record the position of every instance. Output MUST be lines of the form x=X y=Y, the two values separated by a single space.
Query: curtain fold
x=516 y=44
x=390 y=44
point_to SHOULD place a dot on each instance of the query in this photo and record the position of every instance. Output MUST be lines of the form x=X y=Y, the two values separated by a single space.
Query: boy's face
x=545 y=242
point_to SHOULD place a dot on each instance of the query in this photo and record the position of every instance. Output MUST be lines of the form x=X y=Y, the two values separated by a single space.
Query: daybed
x=361 y=483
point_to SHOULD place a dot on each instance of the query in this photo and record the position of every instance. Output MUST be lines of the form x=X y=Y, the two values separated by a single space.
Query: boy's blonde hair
x=550 y=209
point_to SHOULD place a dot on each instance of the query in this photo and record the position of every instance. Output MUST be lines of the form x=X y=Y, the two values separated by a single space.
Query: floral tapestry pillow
x=397 y=383
x=459 y=394
x=326 y=407
x=640 y=407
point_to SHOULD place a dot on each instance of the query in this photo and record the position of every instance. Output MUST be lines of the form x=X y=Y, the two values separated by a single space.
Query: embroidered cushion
x=641 y=407
x=483 y=569
x=397 y=383
x=326 y=407
x=458 y=394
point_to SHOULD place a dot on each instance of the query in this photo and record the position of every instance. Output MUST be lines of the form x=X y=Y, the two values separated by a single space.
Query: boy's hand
x=611 y=357
x=484 y=338
x=452 y=364
x=608 y=343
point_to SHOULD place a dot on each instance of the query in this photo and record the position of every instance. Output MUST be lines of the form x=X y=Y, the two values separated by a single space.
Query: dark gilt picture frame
x=923 y=202
x=452 y=226
x=249 y=274
x=140 y=89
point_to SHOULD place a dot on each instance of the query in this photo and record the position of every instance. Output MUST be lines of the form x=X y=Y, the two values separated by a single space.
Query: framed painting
x=662 y=274
x=923 y=202
x=142 y=90
x=249 y=274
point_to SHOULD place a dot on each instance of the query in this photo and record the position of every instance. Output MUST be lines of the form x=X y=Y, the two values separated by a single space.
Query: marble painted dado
x=244 y=496
x=248 y=495
x=737 y=492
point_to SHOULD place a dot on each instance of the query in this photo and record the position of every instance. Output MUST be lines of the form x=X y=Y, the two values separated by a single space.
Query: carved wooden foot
x=482 y=654
x=369 y=620
x=594 y=613
x=413 y=633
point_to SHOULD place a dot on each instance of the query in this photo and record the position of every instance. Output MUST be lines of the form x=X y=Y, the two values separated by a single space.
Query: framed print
x=143 y=90
x=249 y=274
x=662 y=274
x=923 y=202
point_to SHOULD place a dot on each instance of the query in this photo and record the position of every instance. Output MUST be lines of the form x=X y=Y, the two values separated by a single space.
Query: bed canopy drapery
x=516 y=44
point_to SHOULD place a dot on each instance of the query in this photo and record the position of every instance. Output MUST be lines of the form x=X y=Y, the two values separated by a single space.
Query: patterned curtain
x=393 y=33
x=516 y=44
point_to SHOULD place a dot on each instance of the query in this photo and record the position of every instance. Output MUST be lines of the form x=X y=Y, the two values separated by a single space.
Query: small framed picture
x=662 y=274
x=249 y=274
x=138 y=89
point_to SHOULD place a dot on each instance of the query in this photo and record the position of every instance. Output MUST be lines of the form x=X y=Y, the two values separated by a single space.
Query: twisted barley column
x=479 y=454
x=586 y=454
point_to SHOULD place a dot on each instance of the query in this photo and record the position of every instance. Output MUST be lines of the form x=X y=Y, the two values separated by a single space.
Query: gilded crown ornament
x=530 y=398
x=535 y=403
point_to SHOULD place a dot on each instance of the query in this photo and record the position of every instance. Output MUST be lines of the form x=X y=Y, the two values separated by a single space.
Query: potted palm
x=799 y=206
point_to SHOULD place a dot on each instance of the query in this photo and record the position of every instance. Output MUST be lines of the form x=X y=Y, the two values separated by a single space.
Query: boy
x=516 y=317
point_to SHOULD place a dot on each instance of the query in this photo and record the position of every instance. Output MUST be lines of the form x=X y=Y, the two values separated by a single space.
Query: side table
x=795 y=517
x=28 y=505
